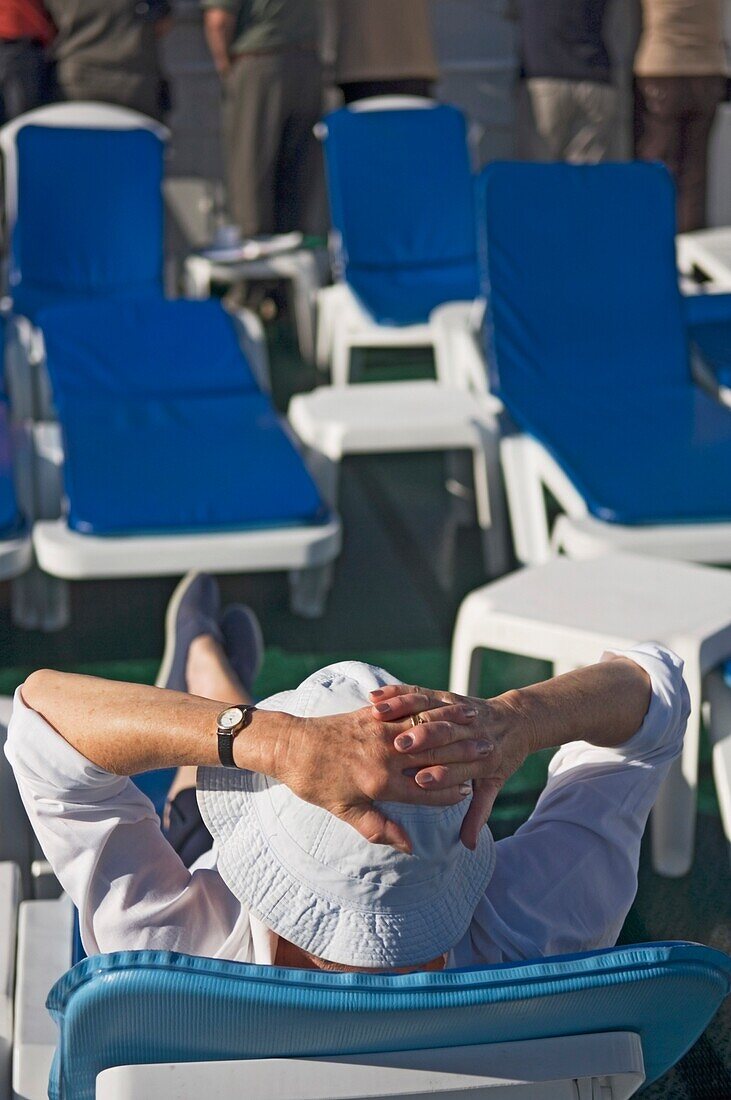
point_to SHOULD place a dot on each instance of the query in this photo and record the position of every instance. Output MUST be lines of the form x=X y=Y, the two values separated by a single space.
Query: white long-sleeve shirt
x=563 y=882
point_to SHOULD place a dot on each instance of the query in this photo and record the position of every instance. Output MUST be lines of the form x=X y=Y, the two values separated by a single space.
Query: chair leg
x=719 y=696
x=526 y=505
x=492 y=513
x=341 y=357
x=196 y=278
x=324 y=337
x=673 y=818
x=304 y=288
x=309 y=590
x=40 y=602
x=467 y=648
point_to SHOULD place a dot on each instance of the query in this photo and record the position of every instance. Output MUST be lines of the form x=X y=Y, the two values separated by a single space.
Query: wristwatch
x=230 y=723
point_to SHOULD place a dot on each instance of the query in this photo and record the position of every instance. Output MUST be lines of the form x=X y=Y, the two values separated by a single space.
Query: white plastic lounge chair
x=172 y=456
x=400 y=185
x=587 y=348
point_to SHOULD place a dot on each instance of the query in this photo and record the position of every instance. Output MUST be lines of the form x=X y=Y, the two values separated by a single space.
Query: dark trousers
x=673 y=120
x=365 y=89
x=25 y=77
x=272 y=101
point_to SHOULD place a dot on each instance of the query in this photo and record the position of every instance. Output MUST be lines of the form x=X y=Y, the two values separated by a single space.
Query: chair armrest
x=250 y=333
x=458 y=356
x=9 y=902
x=607 y=1065
x=44 y=954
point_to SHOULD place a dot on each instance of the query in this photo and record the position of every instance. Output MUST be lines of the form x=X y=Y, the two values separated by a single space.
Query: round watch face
x=227 y=719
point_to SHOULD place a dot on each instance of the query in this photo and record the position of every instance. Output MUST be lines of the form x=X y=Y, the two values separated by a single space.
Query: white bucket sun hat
x=318 y=883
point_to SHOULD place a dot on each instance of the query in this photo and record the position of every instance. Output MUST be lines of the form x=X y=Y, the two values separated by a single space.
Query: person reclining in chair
x=351 y=832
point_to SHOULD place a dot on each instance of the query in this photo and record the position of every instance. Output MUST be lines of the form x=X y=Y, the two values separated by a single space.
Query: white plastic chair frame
x=605 y=1066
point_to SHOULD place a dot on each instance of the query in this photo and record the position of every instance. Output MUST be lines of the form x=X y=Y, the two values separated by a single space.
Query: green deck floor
x=405 y=566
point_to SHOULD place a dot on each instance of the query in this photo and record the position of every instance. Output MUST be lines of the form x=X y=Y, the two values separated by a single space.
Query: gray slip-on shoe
x=193 y=610
x=243 y=642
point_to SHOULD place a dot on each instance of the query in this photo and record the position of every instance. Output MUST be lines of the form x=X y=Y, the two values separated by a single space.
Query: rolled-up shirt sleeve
x=102 y=837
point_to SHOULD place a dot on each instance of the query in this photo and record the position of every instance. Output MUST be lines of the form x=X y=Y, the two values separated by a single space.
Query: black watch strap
x=226 y=749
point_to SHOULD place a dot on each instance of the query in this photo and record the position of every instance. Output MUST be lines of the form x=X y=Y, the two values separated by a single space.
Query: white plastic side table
x=300 y=268
x=401 y=418
x=568 y=612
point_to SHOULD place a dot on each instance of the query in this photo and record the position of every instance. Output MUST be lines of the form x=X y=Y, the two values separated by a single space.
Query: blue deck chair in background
x=172 y=456
x=587 y=347
x=402 y=208
x=155 y=1023
x=84 y=210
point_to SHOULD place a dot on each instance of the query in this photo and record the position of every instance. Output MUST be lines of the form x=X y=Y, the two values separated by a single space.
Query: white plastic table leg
x=308 y=590
x=196 y=278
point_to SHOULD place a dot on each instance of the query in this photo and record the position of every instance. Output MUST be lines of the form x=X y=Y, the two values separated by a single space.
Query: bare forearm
x=604 y=704
x=130 y=728
x=219 y=30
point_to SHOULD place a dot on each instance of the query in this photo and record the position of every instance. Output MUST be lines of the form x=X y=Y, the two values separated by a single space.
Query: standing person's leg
x=704 y=95
x=24 y=78
x=660 y=106
x=252 y=127
x=544 y=119
x=593 y=125
x=300 y=184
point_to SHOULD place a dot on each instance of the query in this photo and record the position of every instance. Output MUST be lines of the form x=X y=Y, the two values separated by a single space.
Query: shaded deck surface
x=405 y=567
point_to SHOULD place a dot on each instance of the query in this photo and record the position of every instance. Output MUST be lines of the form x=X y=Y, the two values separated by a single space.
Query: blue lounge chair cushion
x=177 y=465
x=709 y=330
x=164 y=429
x=90 y=214
x=149 y=347
x=136 y=1007
x=587 y=343
x=402 y=202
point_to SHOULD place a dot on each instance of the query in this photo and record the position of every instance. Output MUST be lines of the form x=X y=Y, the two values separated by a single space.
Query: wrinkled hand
x=346 y=762
x=486 y=752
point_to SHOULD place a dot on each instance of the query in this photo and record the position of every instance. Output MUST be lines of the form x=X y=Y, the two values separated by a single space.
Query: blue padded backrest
x=147 y=347
x=147 y=1006
x=164 y=428
x=402 y=202
x=580 y=273
x=90 y=214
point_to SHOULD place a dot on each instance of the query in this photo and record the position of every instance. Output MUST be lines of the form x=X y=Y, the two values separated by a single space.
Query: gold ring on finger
x=418 y=720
